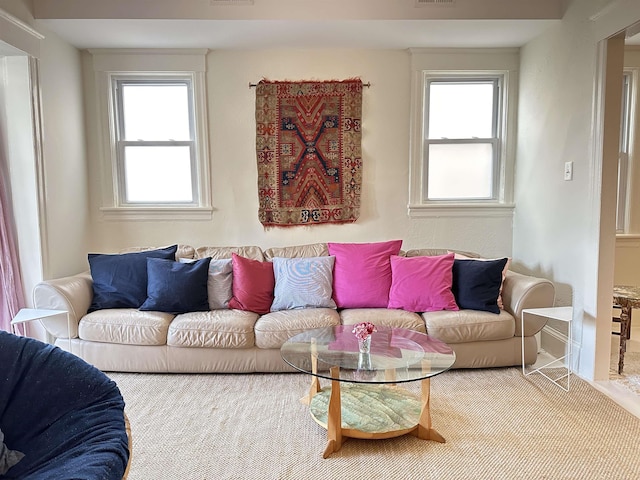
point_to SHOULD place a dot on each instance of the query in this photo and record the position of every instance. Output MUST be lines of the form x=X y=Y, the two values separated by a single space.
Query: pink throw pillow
x=460 y=256
x=362 y=273
x=253 y=285
x=422 y=284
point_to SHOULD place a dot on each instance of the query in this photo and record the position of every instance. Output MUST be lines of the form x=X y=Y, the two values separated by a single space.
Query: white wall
x=231 y=111
x=49 y=184
x=64 y=157
x=557 y=223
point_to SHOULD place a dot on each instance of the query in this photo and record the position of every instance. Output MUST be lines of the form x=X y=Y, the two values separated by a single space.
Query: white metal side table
x=562 y=314
x=26 y=315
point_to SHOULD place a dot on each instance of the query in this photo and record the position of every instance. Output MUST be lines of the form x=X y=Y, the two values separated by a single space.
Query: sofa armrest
x=523 y=291
x=73 y=294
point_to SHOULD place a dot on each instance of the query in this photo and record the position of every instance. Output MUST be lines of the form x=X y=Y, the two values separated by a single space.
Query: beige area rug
x=498 y=425
x=630 y=377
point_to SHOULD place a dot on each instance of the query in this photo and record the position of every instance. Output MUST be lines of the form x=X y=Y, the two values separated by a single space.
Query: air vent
x=432 y=3
x=217 y=3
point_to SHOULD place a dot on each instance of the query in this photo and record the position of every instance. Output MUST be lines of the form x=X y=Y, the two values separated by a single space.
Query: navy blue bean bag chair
x=64 y=415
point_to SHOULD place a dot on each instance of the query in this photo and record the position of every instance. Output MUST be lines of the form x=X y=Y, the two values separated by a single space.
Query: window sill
x=627 y=240
x=157 y=213
x=461 y=210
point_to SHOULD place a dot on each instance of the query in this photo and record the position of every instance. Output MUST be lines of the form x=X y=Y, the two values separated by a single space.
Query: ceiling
x=300 y=24
x=258 y=24
x=261 y=34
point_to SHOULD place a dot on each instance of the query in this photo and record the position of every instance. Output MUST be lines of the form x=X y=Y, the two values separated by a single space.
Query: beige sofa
x=234 y=341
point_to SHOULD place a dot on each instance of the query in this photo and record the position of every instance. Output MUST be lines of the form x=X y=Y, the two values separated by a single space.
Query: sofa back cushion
x=362 y=273
x=297 y=251
x=250 y=251
x=183 y=251
x=120 y=280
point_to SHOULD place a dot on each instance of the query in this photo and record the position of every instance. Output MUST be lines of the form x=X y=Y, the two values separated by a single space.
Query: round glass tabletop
x=396 y=355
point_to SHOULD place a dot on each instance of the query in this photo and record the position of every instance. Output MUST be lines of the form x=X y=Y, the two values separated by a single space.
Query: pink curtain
x=11 y=296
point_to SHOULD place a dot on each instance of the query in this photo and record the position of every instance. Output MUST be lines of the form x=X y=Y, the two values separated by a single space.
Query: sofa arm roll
x=73 y=294
x=523 y=291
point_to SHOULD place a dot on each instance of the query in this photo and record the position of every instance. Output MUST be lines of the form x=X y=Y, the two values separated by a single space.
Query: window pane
x=158 y=174
x=156 y=112
x=460 y=110
x=460 y=171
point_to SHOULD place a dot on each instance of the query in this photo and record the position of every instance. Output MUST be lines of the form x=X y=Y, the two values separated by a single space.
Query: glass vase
x=364 y=344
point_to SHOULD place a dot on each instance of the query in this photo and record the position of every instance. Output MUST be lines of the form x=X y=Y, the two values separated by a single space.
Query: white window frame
x=495 y=139
x=425 y=63
x=111 y=66
x=626 y=138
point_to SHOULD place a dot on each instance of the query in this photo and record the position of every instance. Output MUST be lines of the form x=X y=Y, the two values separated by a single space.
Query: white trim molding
x=19 y=35
x=108 y=64
x=467 y=62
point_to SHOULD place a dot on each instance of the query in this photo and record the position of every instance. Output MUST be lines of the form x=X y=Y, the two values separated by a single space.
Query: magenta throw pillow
x=362 y=273
x=422 y=284
x=253 y=284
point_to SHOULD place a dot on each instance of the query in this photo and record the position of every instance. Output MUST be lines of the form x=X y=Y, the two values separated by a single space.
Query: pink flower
x=363 y=329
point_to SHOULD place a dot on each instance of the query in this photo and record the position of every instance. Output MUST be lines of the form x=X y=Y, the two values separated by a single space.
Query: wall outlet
x=568 y=170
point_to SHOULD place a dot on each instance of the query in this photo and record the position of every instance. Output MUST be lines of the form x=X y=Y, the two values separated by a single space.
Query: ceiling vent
x=432 y=3
x=216 y=3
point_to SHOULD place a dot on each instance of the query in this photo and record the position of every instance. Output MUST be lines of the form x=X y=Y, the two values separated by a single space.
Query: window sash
x=623 y=156
x=494 y=81
x=122 y=180
x=431 y=197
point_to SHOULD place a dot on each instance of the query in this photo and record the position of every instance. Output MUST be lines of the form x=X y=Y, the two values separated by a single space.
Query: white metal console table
x=562 y=314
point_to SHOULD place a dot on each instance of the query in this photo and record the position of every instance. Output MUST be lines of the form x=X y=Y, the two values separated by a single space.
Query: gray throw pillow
x=8 y=458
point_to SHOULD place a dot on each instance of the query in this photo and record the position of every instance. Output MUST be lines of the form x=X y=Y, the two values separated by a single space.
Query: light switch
x=568 y=170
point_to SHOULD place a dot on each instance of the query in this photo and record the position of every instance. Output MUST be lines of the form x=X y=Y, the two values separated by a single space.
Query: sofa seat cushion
x=213 y=329
x=469 y=325
x=126 y=326
x=386 y=317
x=275 y=328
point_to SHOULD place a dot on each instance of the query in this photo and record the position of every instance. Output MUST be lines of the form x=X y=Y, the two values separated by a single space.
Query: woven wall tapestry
x=308 y=145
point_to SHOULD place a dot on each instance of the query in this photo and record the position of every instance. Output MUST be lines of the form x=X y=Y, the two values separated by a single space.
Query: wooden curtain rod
x=254 y=85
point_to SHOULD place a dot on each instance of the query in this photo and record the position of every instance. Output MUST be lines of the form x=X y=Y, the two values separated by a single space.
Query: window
x=152 y=112
x=462 y=143
x=623 y=158
x=155 y=141
x=462 y=156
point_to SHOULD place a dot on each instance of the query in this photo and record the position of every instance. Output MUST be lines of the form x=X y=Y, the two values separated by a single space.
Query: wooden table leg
x=625 y=324
x=315 y=382
x=424 y=429
x=334 y=416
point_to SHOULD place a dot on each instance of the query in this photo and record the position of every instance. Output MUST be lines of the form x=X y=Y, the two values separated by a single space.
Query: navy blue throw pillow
x=476 y=284
x=176 y=287
x=120 y=280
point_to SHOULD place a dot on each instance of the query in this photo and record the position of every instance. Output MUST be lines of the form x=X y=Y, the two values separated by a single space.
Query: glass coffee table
x=364 y=399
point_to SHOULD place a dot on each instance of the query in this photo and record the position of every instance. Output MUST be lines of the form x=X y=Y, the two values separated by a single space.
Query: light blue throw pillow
x=303 y=283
